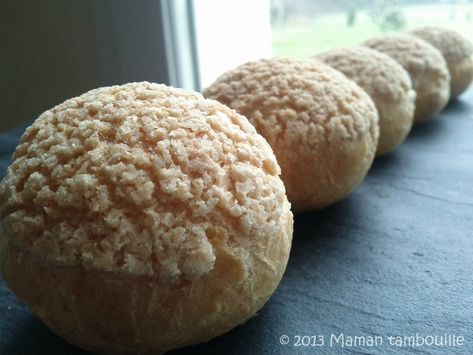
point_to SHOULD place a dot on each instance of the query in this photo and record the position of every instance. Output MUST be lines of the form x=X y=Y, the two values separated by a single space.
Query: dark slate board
x=393 y=259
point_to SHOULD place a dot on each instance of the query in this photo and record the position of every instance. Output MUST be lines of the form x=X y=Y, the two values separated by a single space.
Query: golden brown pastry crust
x=457 y=51
x=386 y=82
x=111 y=313
x=321 y=126
x=426 y=67
x=141 y=218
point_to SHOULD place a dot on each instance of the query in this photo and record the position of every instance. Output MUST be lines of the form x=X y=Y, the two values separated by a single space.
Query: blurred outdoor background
x=56 y=49
x=303 y=27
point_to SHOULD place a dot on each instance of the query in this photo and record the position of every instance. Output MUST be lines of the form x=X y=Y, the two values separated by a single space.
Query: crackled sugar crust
x=457 y=51
x=294 y=102
x=386 y=82
x=453 y=46
x=322 y=127
x=375 y=72
x=136 y=178
x=426 y=67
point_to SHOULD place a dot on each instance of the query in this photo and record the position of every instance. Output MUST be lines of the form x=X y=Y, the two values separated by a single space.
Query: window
x=303 y=27
x=232 y=32
x=229 y=33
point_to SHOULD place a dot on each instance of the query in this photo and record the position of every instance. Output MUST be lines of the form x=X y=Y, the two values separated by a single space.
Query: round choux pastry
x=388 y=85
x=322 y=126
x=141 y=218
x=457 y=51
x=426 y=67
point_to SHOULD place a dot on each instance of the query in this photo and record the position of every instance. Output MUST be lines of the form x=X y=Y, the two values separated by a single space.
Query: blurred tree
x=278 y=12
x=393 y=21
x=388 y=15
x=351 y=17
